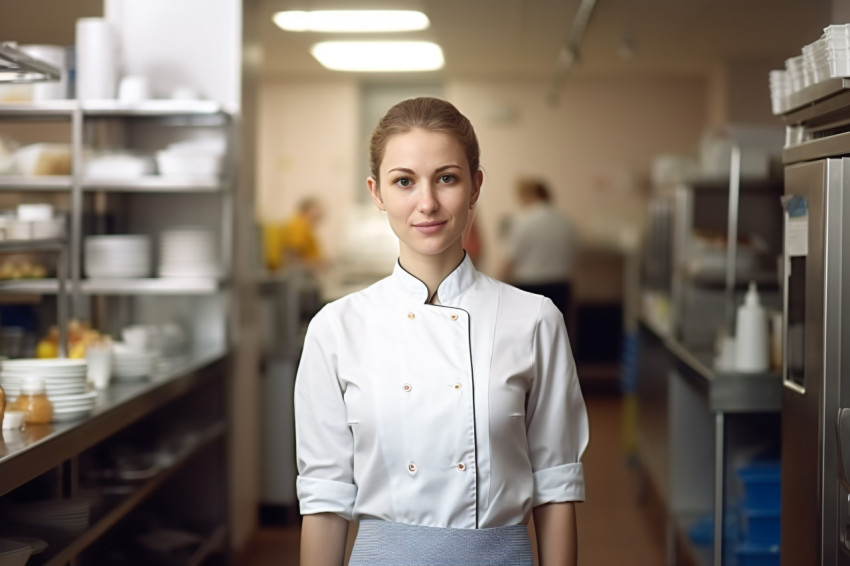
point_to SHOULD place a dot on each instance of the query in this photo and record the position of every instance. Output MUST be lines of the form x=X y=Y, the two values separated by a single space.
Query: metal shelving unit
x=58 y=447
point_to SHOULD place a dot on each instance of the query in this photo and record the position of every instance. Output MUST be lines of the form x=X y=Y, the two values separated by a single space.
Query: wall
x=595 y=147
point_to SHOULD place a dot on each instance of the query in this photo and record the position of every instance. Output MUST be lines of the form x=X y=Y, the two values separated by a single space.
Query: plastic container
x=757 y=555
x=761 y=482
x=751 y=334
x=761 y=527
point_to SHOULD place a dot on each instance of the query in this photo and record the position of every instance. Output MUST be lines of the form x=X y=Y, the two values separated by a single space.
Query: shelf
x=164 y=107
x=39 y=448
x=156 y=184
x=725 y=392
x=35 y=183
x=43 y=109
x=150 y=286
x=129 y=503
x=48 y=245
x=721 y=183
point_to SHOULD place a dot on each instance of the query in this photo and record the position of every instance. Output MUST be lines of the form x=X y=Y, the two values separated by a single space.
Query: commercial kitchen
x=148 y=149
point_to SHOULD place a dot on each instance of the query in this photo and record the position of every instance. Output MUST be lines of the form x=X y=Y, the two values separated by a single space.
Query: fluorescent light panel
x=351 y=20
x=379 y=56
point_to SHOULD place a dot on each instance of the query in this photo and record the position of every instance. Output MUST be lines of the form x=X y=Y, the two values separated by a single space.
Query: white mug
x=133 y=88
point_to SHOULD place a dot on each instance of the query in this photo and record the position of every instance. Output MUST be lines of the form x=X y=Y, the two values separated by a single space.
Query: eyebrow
x=411 y=172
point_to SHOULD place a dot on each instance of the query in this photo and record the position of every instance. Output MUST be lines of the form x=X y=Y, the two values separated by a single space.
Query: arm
x=557 y=538
x=323 y=538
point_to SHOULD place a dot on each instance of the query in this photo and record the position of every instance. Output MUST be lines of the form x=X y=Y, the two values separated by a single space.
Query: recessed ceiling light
x=379 y=55
x=351 y=20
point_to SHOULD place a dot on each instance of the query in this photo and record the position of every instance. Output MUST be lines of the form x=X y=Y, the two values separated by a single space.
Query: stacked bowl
x=117 y=257
x=187 y=252
x=131 y=364
x=72 y=407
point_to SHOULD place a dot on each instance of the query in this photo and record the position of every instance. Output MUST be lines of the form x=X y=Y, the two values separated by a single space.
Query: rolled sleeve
x=559 y=484
x=323 y=441
x=325 y=496
x=556 y=416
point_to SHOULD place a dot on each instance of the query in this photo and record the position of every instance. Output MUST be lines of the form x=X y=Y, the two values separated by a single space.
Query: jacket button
x=411 y=316
x=407 y=387
x=456 y=386
x=411 y=467
x=461 y=467
x=453 y=317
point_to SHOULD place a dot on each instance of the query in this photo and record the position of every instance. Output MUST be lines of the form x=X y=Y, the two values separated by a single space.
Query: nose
x=427 y=198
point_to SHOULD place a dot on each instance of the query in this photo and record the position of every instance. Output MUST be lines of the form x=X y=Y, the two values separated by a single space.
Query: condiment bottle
x=751 y=334
x=33 y=401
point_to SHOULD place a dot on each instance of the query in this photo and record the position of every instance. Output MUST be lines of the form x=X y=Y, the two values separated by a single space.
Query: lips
x=430 y=227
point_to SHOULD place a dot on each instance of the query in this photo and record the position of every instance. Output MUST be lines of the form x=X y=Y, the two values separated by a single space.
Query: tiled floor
x=613 y=528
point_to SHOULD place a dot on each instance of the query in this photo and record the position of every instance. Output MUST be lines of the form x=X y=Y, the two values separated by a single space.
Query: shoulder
x=350 y=305
x=513 y=300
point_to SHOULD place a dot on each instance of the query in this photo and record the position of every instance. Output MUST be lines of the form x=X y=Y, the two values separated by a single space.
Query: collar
x=450 y=289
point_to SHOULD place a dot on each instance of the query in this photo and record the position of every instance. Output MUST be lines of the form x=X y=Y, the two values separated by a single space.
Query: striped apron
x=384 y=543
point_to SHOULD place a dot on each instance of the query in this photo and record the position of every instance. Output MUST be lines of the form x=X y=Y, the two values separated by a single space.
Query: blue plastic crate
x=761 y=527
x=757 y=555
x=762 y=485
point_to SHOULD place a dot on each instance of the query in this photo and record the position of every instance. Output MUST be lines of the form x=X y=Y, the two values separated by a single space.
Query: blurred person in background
x=295 y=243
x=438 y=408
x=541 y=247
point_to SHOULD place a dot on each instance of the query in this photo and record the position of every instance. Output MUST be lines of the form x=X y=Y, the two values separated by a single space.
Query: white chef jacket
x=465 y=414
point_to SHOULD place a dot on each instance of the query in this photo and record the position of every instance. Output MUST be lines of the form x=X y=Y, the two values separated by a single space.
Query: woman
x=439 y=407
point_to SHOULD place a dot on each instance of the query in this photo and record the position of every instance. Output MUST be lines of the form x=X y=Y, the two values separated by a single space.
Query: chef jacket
x=465 y=414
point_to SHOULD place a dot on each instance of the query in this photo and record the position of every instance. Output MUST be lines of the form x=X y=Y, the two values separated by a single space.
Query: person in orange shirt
x=295 y=242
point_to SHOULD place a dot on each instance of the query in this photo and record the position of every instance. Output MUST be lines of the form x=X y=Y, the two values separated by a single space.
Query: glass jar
x=33 y=401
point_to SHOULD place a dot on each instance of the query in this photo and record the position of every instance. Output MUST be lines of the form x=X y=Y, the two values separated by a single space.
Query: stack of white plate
x=61 y=376
x=117 y=257
x=67 y=515
x=187 y=252
x=72 y=407
x=131 y=365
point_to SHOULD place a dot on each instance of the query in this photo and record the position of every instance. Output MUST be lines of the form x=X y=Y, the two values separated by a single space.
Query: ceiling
x=522 y=38
x=516 y=38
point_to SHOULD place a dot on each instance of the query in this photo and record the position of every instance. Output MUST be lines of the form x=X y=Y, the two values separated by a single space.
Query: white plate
x=72 y=415
x=42 y=363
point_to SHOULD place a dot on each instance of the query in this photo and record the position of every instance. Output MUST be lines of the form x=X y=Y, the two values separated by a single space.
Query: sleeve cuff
x=325 y=496
x=559 y=484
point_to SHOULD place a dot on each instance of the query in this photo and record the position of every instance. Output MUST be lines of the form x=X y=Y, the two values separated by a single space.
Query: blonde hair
x=427 y=113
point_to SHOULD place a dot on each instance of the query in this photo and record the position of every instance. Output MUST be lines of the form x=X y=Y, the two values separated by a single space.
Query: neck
x=431 y=270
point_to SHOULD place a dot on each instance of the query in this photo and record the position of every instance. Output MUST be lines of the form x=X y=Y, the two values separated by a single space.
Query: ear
x=375 y=191
x=477 y=181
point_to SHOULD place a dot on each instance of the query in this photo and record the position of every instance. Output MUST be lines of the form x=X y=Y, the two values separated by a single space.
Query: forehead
x=423 y=148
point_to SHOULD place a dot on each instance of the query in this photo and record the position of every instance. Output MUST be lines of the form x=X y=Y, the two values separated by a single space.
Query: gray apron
x=384 y=543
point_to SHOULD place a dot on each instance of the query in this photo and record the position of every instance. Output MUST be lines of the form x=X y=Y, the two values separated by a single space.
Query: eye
x=403 y=182
x=447 y=179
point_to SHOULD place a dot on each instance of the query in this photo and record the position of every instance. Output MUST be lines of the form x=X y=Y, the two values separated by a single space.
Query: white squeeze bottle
x=751 y=334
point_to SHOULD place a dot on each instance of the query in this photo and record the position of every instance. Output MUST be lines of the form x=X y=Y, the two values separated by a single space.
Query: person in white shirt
x=439 y=408
x=541 y=248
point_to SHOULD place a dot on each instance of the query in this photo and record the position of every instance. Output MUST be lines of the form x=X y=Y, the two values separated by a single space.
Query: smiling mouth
x=430 y=227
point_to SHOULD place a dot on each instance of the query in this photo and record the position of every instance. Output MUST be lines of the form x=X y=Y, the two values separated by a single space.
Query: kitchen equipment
x=816 y=292
x=55 y=55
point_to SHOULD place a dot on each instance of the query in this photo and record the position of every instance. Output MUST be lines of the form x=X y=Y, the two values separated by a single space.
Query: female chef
x=439 y=407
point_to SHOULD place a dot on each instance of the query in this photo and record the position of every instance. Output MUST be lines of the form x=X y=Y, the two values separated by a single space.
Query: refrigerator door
x=814 y=505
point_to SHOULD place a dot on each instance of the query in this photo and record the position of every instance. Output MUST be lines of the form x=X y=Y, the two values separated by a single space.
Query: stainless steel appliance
x=816 y=369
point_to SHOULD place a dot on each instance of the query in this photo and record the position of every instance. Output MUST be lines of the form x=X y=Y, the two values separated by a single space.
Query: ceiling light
x=351 y=20
x=379 y=55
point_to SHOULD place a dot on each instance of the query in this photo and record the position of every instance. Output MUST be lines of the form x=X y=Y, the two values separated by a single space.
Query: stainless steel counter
x=24 y=454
